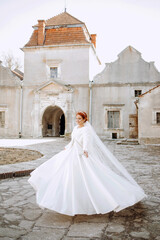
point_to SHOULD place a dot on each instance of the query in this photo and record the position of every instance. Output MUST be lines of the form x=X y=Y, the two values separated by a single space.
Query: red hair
x=83 y=115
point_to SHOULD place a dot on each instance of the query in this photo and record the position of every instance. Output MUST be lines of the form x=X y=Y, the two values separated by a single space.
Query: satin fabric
x=70 y=183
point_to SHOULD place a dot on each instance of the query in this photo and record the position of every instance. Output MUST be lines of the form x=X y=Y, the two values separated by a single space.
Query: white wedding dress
x=70 y=183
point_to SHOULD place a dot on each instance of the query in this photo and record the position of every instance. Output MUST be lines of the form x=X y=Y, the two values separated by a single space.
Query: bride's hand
x=86 y=153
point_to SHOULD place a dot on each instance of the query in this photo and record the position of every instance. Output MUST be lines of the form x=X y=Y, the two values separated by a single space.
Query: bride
x=84 y=178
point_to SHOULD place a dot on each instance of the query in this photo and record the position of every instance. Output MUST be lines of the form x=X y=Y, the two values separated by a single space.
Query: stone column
x=69 y=115
x=36 y=117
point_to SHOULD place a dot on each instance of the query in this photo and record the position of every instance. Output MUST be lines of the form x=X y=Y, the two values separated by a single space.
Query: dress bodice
x=80 y=138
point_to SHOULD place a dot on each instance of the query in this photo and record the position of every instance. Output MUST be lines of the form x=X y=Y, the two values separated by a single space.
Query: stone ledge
x=15 y=174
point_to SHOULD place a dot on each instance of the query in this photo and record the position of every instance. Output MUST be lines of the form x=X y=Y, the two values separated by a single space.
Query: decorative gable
x=53 y=88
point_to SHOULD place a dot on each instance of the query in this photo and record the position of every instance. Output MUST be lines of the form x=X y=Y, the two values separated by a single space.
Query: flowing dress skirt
x=70 y=183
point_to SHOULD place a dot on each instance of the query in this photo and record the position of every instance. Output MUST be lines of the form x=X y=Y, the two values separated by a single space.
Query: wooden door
x=133 y=126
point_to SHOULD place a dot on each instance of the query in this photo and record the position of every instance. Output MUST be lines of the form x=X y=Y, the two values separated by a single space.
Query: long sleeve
x=85 y=139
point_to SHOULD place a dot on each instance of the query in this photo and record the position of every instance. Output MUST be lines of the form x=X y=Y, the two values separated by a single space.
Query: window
x=113 y=119
x=53 y=72
x=114 y=135
x=2 y=119
x=137 y=93
x=158 y=117
x=49 y=126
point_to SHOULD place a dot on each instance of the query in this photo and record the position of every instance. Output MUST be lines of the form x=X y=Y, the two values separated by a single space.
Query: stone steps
x=128 y=142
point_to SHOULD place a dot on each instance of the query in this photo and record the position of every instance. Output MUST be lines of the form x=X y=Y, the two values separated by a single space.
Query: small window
x=2 y=119
x=49 y=126
x=113 y=119
x=158 y=117
x=114 y=135
x=53 y=72
x=137 y=93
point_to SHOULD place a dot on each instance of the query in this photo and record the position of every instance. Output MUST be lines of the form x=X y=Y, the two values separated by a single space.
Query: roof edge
x=57 y=16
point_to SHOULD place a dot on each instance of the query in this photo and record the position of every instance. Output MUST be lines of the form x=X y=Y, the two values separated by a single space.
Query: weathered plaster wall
x=9 y=102
x=148 y=105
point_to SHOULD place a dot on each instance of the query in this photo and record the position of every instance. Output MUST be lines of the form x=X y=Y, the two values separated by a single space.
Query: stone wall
x=114 y=91
x=10 y=95
x=148 y=107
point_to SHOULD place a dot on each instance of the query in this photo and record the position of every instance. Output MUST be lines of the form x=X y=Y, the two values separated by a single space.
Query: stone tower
x=59 y=61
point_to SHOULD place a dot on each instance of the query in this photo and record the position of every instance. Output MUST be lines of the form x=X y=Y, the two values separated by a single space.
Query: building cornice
x=125 y=84
x=56 y=46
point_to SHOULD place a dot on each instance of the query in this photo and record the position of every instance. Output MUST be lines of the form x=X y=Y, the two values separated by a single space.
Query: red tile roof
x=69 y=31
x=64 y=35
x=59 y=36
x=62 y=19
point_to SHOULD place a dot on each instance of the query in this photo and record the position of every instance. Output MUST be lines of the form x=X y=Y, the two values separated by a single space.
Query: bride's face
x=79 y=120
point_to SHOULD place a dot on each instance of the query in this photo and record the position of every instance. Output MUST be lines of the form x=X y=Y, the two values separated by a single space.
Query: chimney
x=93 y=39
x=41 y=32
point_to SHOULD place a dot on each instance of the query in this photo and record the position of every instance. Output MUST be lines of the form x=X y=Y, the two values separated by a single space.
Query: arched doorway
x=53 y=122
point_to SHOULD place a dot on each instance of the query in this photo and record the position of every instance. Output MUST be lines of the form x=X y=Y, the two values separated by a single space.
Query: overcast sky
x=117 y=23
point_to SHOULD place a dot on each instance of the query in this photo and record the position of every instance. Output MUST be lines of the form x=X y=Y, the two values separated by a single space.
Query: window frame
x=4 y=108
x=158 y=120
x=136 y=94
x=53 y=63
x=113 y=120
x=2 y=118
x=113 y=107
x=52 y=76
x=154 y=117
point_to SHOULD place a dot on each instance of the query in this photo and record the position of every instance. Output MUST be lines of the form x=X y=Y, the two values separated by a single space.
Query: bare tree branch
x=10 y=61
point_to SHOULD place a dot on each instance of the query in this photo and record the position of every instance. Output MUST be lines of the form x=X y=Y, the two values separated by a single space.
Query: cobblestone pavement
x=22 y=219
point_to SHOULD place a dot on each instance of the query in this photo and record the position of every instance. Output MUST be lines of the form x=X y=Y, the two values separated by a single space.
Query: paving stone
x=26 y=224
x=32 y=214
x=77 y=238
x=21 y=203
x=154 y=227
x=12 y=217
x=10 y=232
x=13 y=201
x=157 y=238
x=86 y=230
x=4 y=188
x=45 y=234
x=153 y=204
x=29 y=194
x=115 y=228
x=144 y=235
x=124 y=213
x=7 y=238
x=21 y=218
x=15 y=226
x=54 y=220
x=113 y=237
x=96 y=218
x=118 y=220
x=155 y=217
x=2 y=211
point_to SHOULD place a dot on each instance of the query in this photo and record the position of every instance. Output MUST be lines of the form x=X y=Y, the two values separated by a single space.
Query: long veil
x=103 y=154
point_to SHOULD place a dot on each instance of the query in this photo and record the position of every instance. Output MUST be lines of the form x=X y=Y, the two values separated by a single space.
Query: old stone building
x=62 y=75
x=115 y=90
x=148 y=105
x=10 y=102
x=59 y=61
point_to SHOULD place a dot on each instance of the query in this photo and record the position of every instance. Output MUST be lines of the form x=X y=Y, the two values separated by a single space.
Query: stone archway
x=53 y=122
